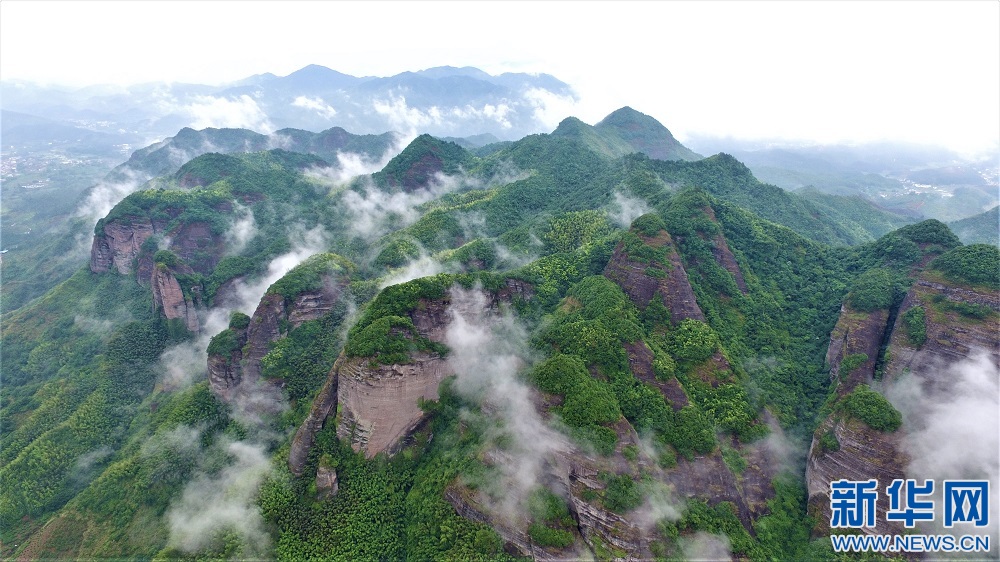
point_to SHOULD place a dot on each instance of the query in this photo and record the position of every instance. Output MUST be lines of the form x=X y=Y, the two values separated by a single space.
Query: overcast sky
x=926 y=72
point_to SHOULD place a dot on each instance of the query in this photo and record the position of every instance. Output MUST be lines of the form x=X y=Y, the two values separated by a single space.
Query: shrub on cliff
x=978 y=264
x=872 y=408
x=873 y=290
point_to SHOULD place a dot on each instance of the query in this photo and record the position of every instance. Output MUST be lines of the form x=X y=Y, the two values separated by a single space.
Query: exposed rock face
x=226 y=374
x=119 y=244
x=865 y=453
x=305 y=435
x=725 y=258
x=264 y=328
x=168 y=297
x=224 y=371
x=856 y=333
x=640 y=360
x=640 y=287
x=326 y=482
x=379 y=405
x=197 y=245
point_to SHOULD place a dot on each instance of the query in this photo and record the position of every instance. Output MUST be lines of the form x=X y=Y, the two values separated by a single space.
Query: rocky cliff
x=118 y=244
x=856 y=334
x=274 y=316
x=170 y=298
x=643 y=278
x=379 y=403
x=954 y=324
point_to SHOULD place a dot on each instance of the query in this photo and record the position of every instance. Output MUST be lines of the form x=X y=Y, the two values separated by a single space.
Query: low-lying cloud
x=323 y=109
x=402 y=117
x=107 y=193
x=214 y=503
x=951 y=413
x=240 y=112
x=488 y=349
x=624 y=209
x=706 y=547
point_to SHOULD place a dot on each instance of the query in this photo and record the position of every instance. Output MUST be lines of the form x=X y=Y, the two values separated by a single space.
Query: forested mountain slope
x=559 y=348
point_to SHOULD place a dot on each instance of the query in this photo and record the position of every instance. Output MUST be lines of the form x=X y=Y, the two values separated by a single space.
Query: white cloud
x=240 y=112
x=213 y=504
x=498 y=113
x=951 y=413
x=487 y=352
x=626 y=209
x=550 y=108
x=316 y=104
x=105 y=195
x=405 y=118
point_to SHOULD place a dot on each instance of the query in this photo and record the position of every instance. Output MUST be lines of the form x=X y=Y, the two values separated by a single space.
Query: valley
x=592 y=342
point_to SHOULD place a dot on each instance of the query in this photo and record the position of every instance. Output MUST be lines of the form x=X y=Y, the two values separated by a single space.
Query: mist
x=240 y=112
x=707 y=547
x=375 y=212
x=106 y=194
x=422 y=266
x=241 y=231
x=488 y=349
x=213 y=503
x=350 y=165
x=183 y=364
x=624 y=209
x=950 y=417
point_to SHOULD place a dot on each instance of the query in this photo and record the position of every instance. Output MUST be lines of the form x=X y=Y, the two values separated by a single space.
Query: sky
x=924 y=72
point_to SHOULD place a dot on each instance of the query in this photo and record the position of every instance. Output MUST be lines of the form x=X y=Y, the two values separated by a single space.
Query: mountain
x=983 y=228
x=442 y=101
x=923 y=182
x=559 y=347
x=645 y=134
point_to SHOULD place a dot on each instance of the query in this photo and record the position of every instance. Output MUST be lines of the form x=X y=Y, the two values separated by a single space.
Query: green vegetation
x=976 y=264
x=310 y=275
x=238 y=320
x=86 y=405
x=872 y=408
x=622 y=493
x=649 y=225
x=829 y=443
x=915 y=323
x=692 y=342
x=224 y=343
x=852 y=362
x=553 y=522
x=979 y=229
x=873 y=290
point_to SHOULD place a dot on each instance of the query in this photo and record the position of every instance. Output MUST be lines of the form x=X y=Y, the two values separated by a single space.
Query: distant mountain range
x=440 y=101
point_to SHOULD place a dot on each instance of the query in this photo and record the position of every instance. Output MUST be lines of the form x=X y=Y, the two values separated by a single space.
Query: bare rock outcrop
x=856 y=333
x=380 y=404
x=168 y=297
x=862 y=453
x=270 y=321
x=118 y=244
x=641 y=281
x=327 y=485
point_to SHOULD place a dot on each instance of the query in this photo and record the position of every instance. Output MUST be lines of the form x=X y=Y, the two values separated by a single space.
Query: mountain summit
x=645 y=134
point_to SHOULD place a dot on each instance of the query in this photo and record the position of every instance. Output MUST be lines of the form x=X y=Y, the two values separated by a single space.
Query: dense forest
x=589 y=343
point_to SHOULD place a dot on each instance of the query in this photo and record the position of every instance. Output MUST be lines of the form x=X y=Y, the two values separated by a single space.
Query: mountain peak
x=645 y=134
